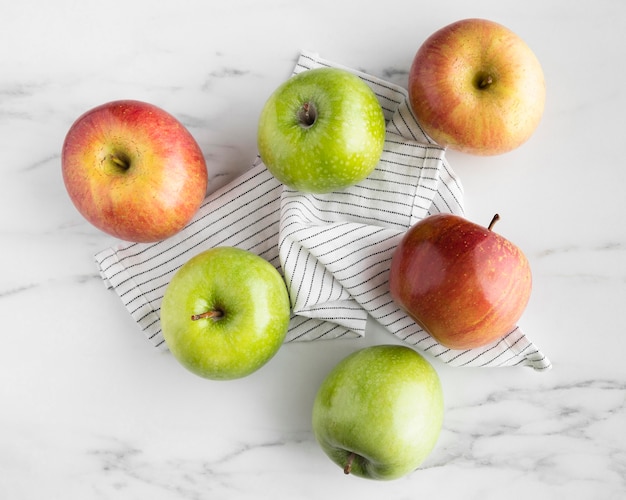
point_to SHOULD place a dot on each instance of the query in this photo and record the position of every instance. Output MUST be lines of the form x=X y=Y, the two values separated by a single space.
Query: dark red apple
x=464 y=284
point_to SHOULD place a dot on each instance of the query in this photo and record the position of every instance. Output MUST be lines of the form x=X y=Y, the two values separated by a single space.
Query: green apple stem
x=214 y=313
x=348 y=467
x=495 y=219
x=307 y=114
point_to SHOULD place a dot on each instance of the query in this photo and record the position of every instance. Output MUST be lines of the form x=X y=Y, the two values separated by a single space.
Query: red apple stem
x=119 y=161
x=495 y=219
x=348 y=468
x=485 y=82
x=208 y=314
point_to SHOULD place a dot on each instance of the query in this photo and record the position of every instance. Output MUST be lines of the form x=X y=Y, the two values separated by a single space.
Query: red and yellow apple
x=477 y=87
x=133 y=170
x=464 y=284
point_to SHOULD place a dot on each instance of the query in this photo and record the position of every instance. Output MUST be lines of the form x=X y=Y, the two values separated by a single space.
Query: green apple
x=225 y=313
x=321 y=131
x=379 y=412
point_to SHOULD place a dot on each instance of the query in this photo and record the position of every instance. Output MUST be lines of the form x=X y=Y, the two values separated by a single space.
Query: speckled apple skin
x=383 y=403
x=341 y=148
x=163 y=186
x=253 y=300
x=457 y=112
x=466 y=285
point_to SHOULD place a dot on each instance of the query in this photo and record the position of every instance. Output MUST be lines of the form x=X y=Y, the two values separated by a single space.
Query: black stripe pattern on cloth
x=333 y=250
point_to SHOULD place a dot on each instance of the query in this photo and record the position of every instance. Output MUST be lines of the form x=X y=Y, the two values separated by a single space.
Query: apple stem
x=215 y=314
x=307 y=114
x=485 y=82
x=120 y=161
x=495 y=219
x=348 y=468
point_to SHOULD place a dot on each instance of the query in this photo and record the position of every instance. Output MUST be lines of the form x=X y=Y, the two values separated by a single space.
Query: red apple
x=464 y=284
x=133 y=170
x=475 y=86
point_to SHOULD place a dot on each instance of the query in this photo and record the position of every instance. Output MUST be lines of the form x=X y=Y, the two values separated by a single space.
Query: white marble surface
x=90 y=410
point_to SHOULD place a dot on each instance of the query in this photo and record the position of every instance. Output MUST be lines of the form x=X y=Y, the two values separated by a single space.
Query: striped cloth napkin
x=333 y=250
